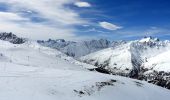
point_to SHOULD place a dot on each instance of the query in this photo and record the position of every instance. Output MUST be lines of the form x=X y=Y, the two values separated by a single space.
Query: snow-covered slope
x=148 y=55
x=116 y=59
x=121 y=59
x=32 y=72
x=158 y=69
x=33 y=54
x=160 y=62
x=27 y=83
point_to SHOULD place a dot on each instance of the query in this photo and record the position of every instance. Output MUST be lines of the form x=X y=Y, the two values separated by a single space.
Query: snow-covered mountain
x=126 y=58
x=11 y=38
x=129 y=55
x=30 y=71
x=145 y=56
x=76 y=49
x=112 y=58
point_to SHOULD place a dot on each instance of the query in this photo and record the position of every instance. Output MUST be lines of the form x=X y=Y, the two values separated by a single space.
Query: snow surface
x=159 y=62
x=32 y=72
x=148 y=39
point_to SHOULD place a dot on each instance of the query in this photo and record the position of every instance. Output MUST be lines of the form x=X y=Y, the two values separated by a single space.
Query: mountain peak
x=147 y=39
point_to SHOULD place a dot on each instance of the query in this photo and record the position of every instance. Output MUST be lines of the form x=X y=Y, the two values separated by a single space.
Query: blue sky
x=86 y=19
x=137 y=17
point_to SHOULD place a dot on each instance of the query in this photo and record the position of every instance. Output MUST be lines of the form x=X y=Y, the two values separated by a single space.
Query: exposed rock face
x=11 y=38
x=160 y=78
x=95 y=88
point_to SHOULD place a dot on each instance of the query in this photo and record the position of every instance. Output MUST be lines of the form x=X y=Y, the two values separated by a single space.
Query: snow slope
x=146 y=55
x=32 y=72
x=160 y=62
x=32 y=54
x=132 y=54
x=119 y=60
x=114 y=58
x=52 y=84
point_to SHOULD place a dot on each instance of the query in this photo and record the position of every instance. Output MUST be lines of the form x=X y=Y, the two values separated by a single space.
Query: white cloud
x=109 y=26
x=50 y=9
x=82 y=4
x=59 y=19
x=154 y=30
x=7 y=16
x=9 y=22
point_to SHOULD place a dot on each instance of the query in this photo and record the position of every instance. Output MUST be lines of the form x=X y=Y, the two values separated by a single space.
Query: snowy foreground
x=32 y=72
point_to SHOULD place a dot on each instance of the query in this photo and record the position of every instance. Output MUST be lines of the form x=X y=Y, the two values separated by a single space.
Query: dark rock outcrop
x=12 y=38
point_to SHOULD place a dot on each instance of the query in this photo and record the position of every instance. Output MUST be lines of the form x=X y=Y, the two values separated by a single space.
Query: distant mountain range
x=79 y=49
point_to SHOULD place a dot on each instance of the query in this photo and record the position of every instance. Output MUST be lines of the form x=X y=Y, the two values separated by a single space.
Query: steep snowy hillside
x=32 y=72
x=128 y=56
x=157 y=69
x=160 y=62
x=119 y=60
x=144 y=57
x=76 y=49
x=115 y=59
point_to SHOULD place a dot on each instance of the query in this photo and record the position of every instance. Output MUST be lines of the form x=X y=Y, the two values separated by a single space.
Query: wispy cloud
x=109 y=26
x=139 y=32
x=58 y=20
x=82 y=4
